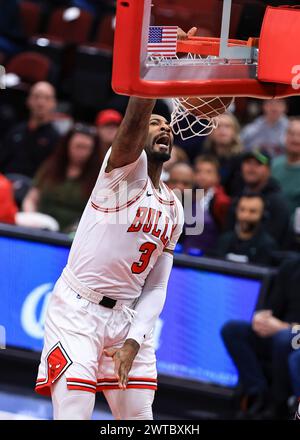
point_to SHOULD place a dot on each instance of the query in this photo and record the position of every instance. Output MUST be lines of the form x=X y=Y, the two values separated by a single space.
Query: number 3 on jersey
x=147 y=250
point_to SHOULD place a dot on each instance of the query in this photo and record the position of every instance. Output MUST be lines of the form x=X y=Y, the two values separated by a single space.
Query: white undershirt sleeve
x=152 y=299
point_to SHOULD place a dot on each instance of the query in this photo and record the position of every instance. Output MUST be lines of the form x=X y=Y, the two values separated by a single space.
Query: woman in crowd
x=224 y=143
x=63 y=184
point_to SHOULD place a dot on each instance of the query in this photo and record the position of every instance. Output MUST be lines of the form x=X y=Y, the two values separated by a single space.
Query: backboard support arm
x=235 y=52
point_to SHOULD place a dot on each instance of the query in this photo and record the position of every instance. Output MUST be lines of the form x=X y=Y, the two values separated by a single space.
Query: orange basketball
x=206 y=108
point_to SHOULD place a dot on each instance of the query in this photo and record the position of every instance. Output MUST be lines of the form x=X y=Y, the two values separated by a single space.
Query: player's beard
x=158 y=156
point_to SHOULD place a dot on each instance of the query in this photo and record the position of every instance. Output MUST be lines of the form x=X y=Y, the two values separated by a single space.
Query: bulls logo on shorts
x=57 y=362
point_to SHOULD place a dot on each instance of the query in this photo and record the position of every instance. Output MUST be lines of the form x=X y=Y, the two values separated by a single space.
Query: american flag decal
x=162 y=40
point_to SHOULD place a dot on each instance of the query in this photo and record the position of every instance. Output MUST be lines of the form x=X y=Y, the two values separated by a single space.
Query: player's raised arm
x=132 y=134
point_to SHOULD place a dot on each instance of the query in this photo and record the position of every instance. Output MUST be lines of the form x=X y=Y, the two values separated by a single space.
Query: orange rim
x=209 y=45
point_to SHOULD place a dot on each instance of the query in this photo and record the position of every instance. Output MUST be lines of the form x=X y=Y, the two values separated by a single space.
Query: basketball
x=206 y=108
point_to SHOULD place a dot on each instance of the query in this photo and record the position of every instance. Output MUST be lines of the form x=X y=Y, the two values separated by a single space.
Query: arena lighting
x=71 y=14
x=11 y=80
x=43 y=42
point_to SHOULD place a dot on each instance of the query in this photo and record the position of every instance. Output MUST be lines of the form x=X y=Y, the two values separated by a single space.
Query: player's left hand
x=181 y=35
x=123 y=358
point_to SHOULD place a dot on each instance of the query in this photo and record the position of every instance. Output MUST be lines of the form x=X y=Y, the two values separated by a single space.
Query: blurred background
x=226 y=341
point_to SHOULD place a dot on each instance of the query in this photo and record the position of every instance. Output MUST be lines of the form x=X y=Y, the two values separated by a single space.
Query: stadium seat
x=89 y=85
x=76 y=31
x=30 y=67
x=30 y=17
x=105 y=33
x=63 y=34
x=93 y=59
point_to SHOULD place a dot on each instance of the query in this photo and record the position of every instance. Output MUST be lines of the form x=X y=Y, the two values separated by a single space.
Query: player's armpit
x=132 y=134
x=169 y=251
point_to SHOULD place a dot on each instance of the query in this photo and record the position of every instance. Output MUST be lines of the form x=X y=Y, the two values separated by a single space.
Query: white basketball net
x=197 y=119
x=189 y=120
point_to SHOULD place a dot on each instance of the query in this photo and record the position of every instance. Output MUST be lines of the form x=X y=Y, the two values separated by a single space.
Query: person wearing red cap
x=107 y=123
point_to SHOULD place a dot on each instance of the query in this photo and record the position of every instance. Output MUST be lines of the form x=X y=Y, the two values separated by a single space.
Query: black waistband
x=108 y=302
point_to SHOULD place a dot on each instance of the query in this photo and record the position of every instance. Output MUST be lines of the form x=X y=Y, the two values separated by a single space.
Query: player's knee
x=76 y=407
x=137 y=405
x=71 y=404
x=137 y=413
x=234 y=329
x=282 y=339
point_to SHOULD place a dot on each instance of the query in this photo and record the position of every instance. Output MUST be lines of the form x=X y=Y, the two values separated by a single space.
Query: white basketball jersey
x=125 y=226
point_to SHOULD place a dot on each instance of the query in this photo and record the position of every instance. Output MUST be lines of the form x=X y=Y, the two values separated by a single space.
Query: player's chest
x=152 y=219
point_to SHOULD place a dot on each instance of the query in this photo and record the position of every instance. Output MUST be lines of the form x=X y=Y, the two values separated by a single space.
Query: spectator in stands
x=214 y=203
x=268 y=131
x=262 y=349
x=225 y=144
x=256 y=174
x=248 y=242
x=177 y=155
x=8 y=208
x=107 y=123
x=181 y=181
x=181 y=177
x=65 y=181
x=286 y=168
x=28 y=144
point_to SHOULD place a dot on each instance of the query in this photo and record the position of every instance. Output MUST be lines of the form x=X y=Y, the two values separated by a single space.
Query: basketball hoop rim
x=210 y=45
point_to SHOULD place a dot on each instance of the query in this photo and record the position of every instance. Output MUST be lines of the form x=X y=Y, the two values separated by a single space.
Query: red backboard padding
x=279 y=48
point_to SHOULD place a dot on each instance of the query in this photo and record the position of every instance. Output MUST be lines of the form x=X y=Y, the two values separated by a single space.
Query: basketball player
x=100 y=319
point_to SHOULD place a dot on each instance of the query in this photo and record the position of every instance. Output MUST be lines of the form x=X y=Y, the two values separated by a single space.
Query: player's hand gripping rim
x=181 y=35
x=123 y=358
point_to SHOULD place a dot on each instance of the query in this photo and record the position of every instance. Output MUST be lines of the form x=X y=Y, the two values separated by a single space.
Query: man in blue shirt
x=268 y=131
